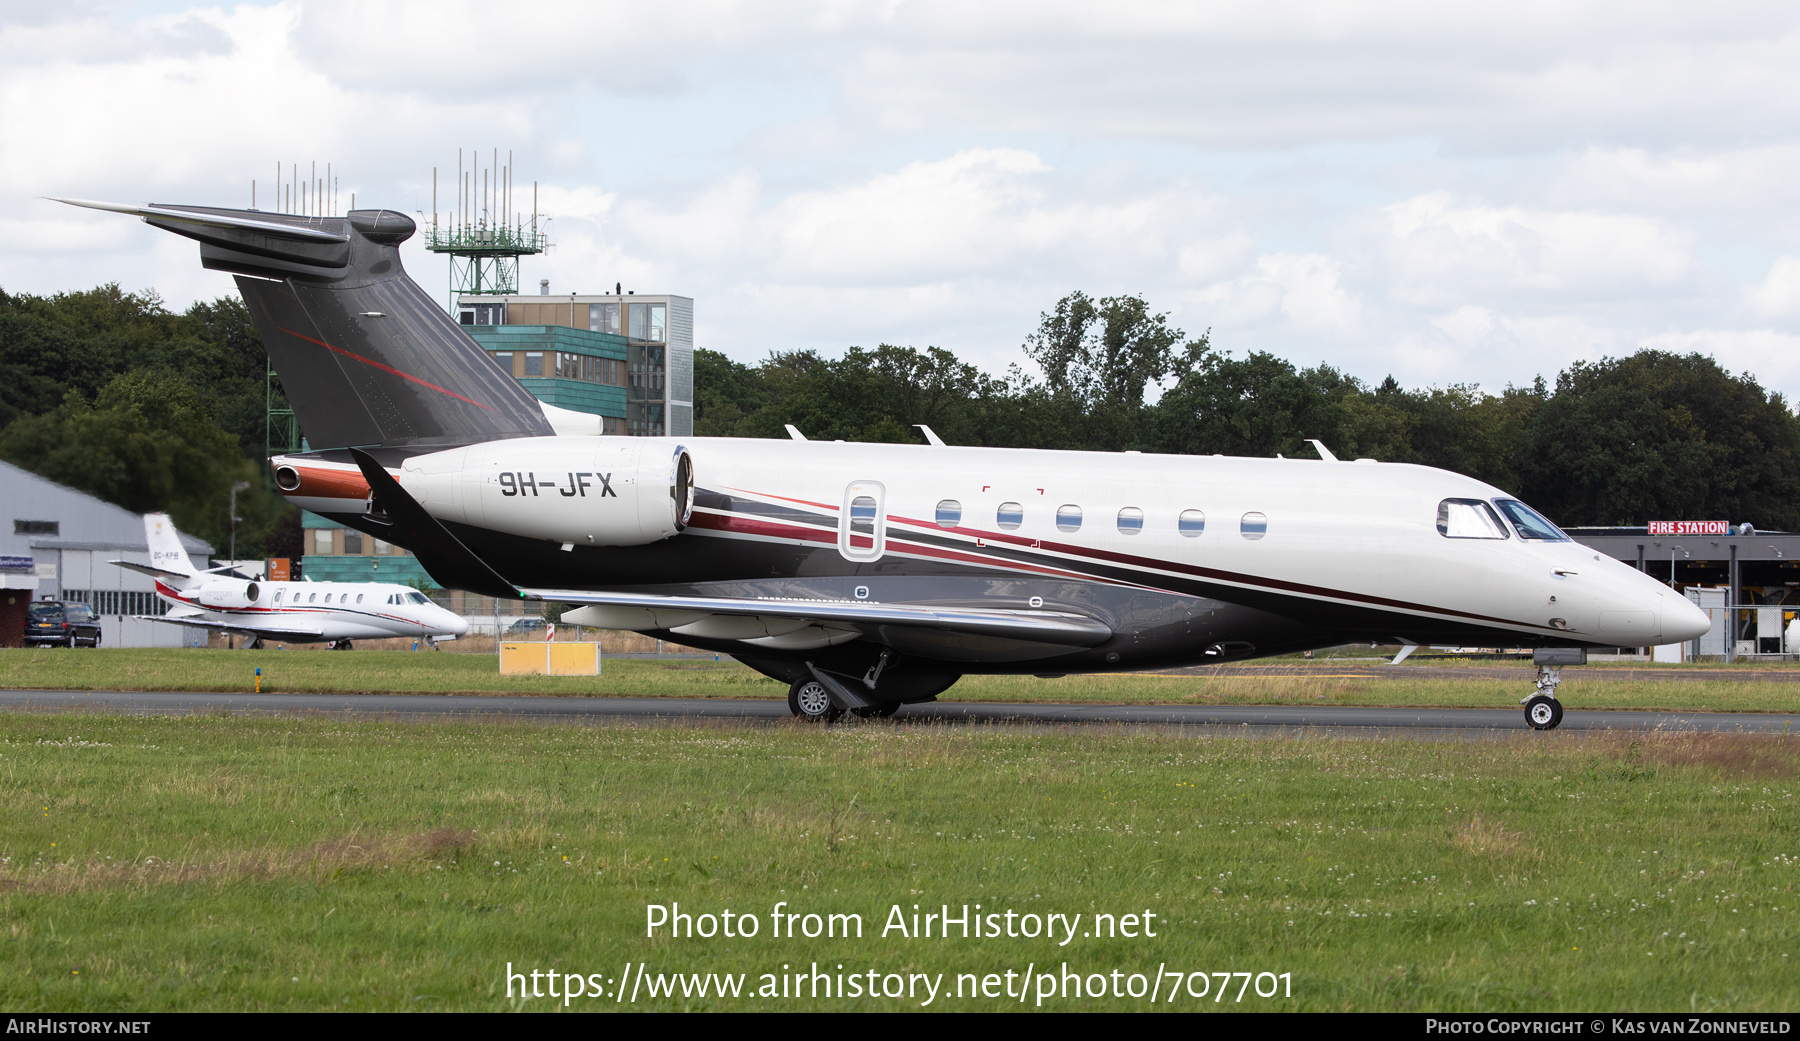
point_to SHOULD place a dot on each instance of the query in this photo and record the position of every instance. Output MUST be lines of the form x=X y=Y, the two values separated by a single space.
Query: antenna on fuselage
x=794 y=432
x=1324 y=453
x=931 y=435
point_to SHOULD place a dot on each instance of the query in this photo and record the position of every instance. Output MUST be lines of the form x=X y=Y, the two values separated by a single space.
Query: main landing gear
x=1542 y=709
x=824 y=697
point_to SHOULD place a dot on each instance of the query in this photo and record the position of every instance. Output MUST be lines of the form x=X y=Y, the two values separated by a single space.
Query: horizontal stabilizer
x=1036 y=626
x=153 y=572
x=213 y=220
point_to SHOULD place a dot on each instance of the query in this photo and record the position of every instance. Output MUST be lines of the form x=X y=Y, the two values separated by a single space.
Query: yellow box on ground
x=523 y=659
x=574 y=659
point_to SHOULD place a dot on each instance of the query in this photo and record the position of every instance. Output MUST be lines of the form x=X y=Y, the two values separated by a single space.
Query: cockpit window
x=418 y=598
x=1531 y=523
x=1469 y=519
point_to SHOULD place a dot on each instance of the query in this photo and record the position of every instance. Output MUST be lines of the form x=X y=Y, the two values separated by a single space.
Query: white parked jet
x=293 y=612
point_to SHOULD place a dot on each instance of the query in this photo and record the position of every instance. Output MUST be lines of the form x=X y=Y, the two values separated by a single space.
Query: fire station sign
x=1690 y=528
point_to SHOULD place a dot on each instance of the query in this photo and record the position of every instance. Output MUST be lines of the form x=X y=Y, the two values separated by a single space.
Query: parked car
x=526 y=625
x=61 y=623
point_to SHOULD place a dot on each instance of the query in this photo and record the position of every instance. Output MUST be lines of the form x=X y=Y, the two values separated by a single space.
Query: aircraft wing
x=1037 y=626
x=146 y=569
x=259 y=630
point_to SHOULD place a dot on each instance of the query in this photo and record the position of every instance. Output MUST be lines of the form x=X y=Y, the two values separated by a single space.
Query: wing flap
x=259 y=630
x=1036 y=626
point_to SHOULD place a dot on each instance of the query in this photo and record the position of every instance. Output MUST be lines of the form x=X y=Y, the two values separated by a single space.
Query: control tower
x=483 y=234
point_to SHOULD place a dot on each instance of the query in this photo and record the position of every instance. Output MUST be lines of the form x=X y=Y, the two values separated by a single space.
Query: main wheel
x=879 y=710
x=809 y=699
x=1543 y=712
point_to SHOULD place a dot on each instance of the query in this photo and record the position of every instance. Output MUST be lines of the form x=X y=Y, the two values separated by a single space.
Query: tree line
x=112 y=393
x=1621 y=441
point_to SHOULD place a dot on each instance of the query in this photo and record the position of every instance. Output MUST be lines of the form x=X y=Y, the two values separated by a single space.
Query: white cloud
x=1772 y=357
x=1777 y=296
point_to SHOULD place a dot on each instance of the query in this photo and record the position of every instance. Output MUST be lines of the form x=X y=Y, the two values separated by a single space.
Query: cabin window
x=1468 y=519
x=534 y=363
x=1254 y=526
x=862 y=522
x=1531 y=523
x=312 y=597
x=1068 y=518
x=949 y=513
x=278 y=597
x=1191 y=523
x=1131 y=520
x=1010 y=515
x=359 y=597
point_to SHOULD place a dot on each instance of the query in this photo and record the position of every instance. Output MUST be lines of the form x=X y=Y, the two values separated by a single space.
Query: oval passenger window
x=1191 y=523
x=359 y=597
x=1131 y=520
x=1254 y=525
x=311 y=598
x=949 y=513
x=1068 y=518
x=1010 y=515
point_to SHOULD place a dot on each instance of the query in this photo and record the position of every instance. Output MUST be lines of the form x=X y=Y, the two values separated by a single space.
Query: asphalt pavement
x=1209 y=719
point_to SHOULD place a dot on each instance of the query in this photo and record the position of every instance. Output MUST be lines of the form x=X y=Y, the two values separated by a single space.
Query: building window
x=352 y=541
x=603 y=318
x=382 y=547
x=647 y=321
x=35 y=527
x=504 y=360
x=322 y=539
x=534 y=363
x=483 y=314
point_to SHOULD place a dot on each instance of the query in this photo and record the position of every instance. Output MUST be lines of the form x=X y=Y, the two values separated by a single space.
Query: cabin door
x=862 y=523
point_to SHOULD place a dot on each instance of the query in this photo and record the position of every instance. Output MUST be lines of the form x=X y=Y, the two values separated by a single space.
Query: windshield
x=1531 y=523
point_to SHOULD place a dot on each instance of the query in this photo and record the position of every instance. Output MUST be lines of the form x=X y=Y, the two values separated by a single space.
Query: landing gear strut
x=1542 y=709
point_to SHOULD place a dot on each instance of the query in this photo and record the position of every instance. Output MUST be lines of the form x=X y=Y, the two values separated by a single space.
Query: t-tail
x=366 y=358
x=166 y=552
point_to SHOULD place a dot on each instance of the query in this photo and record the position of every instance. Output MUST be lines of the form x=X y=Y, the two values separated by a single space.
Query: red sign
x=1690 y=528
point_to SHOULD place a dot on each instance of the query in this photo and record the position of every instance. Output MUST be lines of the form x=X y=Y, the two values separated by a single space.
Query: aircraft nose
x=1683 y=620
x=456 y=624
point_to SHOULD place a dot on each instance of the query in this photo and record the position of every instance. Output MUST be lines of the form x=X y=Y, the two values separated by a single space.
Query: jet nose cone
x=1682 y=620
x=456 y=624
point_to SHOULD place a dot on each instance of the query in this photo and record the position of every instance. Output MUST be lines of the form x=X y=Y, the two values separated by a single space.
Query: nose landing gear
x=1542 y=709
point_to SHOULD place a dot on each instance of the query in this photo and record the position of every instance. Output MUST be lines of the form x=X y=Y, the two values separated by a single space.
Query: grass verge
x=227 y=863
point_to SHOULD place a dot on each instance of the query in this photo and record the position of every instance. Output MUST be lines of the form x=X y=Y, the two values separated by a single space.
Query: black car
x=62 y=623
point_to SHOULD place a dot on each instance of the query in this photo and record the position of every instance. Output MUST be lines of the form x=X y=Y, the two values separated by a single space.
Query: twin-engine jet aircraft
x=292 y=612
x=867 y=576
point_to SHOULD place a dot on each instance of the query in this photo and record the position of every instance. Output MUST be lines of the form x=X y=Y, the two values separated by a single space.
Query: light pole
x=236 y=487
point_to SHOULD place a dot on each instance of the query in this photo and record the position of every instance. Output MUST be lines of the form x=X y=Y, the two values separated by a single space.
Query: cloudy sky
x=1448 y=193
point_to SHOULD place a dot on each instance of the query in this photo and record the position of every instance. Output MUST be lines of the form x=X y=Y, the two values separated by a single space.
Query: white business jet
x=870 y=576
x=292 y=612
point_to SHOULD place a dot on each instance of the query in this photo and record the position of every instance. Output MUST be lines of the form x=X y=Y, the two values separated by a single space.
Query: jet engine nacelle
x=228 y=593
x=588 y=491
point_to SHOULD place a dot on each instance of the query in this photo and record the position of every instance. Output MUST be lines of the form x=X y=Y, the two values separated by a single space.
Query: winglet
x=441 y=554
x=1324 y=453
x=794 y=432
x=931 y=435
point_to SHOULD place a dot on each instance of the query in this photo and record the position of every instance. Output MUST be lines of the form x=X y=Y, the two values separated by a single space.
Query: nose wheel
x=1542 y=710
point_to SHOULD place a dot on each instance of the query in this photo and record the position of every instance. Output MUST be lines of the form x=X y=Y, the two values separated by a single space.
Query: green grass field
x=406 y=672
x=229 y=863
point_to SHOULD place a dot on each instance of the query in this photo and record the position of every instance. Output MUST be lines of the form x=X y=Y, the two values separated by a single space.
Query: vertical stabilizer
x=166 y=551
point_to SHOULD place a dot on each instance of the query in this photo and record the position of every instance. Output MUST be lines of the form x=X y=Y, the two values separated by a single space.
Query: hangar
x=1748 y=580
x=69 y=536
